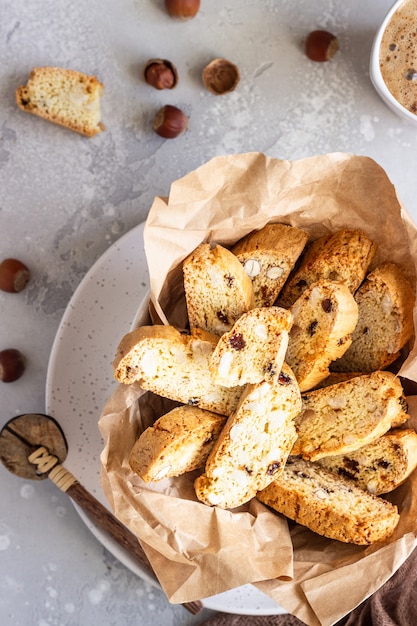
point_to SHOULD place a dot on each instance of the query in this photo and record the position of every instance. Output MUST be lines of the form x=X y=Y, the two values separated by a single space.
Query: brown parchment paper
x=198 y=551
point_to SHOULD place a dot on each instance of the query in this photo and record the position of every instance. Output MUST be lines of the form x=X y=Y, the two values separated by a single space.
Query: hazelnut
x=220 y=76
x=170 y=122
x=161 y=74
x=14 y=275
x=12 y=365
x=182 y=9
x=320 y=45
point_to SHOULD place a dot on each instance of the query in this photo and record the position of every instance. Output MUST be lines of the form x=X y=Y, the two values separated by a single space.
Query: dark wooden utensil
x=33 y=446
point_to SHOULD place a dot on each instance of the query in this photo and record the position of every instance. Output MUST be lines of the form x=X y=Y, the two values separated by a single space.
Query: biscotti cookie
x=217 y=289
x=254 y=445
x=65 y=97
x=382 y=465
x=175 y=366
x=341 y=256
x=268 y=256
x=385 y=324
x=254 y=349
x=330 y=505
x=341 y=418
x=324 y=317
x=178 y=442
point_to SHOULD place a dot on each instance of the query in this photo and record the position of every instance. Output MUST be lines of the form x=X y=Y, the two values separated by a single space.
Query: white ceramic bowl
x=376 y=76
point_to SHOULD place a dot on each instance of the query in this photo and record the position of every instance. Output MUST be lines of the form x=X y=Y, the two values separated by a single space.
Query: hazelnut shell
x=220 y=76
x=170 y=66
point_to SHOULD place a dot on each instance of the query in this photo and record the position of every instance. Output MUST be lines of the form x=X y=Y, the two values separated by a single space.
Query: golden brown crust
x=268 y=256
x=382 y=465
x=65 y=97
x=175 y=366
x=328 y=505
x=341 y=418
x=254 y=445
x=325 y=315
x=341 y=256
x=254 y=349
x=217 y=289
x=385 y=322
x=178 y=442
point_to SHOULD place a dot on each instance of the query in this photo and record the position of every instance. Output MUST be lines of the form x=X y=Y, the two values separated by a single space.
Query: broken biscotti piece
x=65 y=97
x=341 y=418
x=324 y=317
x=254 y=445
x=268 y=256
x=217 y=289
x=174 y=365
x=178 y=442
x=385 y=323
x=341 y=256
x=254 y=349
x=330 y=505
x=382 y=465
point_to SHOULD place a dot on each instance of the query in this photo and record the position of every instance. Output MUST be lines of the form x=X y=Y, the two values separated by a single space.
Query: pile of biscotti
x=282 y=384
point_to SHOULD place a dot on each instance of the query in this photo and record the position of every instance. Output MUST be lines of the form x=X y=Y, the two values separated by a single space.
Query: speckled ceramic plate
x=80 y=380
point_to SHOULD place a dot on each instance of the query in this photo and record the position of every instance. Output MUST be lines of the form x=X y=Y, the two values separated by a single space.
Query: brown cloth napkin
x=394 y=604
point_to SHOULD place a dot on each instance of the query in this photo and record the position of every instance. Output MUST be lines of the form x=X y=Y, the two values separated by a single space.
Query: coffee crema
x=398 y=55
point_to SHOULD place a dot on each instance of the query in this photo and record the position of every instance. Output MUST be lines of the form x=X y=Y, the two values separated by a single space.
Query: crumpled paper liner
x=198 y=551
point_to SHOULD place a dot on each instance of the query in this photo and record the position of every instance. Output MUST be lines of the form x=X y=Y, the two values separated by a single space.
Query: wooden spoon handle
x=109 y=523
x=101 y=516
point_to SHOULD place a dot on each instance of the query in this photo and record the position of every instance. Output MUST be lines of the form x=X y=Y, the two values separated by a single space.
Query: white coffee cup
x=376 y=75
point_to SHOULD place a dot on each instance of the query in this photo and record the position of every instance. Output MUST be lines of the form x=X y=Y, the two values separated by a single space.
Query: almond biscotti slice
x=217 y=289
x=175 y=366
x=254 y=349
x=254 y=445
x=382 y=465
x=268 y=256
x=178 y=442
x=65 y=97
x=325 y=315
x=341 y=418
x=330 y=505
x=341 y=256
x=385 y=324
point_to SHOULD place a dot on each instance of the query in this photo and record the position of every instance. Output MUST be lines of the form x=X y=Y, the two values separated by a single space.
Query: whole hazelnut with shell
x=182 y=9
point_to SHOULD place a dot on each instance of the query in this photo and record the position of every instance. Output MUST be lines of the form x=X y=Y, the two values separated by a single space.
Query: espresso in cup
x=398 y=55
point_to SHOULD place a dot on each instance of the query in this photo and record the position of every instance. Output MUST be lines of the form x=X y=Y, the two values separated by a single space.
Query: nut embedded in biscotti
x=170 y=122
x=160 y=74
x=14 y=275
x=12 y=365
x=320 y=45
x=220 y=76
x=182 y=9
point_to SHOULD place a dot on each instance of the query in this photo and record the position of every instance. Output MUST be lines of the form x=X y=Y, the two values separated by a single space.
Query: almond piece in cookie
x=173 y=365
x=254 y=349
x=268 y=256
x=254 y=445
